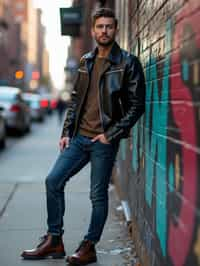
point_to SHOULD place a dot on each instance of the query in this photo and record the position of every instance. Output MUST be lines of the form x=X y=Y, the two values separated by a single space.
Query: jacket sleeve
x=68 y=126
x=134 y=84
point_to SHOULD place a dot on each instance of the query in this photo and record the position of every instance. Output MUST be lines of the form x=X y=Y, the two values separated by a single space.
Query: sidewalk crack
x=9 y=199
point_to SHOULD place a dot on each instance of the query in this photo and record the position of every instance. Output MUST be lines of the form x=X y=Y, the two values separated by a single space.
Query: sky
x=55 y=42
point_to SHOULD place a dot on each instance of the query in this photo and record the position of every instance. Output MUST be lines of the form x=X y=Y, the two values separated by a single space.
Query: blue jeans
x=71 y=160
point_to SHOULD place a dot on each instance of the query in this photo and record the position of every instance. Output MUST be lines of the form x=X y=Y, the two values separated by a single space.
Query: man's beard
x=105 y=44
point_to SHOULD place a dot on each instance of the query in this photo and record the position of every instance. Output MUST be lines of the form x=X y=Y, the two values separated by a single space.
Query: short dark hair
x=104 y=12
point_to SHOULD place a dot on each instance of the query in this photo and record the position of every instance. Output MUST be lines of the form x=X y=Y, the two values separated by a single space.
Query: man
x=107 y=100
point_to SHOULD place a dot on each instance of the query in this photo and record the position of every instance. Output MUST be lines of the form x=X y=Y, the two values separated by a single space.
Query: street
x=24 y=165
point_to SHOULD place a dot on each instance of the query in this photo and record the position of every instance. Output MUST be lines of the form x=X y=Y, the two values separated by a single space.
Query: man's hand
x=101 y=138
x=64 y=142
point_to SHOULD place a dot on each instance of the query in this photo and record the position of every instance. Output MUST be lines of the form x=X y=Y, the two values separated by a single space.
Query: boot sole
x=80 y=263
x=49 y=256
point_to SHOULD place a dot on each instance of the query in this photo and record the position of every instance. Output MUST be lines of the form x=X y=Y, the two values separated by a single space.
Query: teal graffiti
x=171 y=177
x=141 y=136
x=185 y=70
x=137 y=139
x=156 y=117
x=123 y=149
x=134 y=148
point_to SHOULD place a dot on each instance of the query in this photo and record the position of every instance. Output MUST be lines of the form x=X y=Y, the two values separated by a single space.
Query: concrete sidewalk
x=23 y=220
x=23 y=203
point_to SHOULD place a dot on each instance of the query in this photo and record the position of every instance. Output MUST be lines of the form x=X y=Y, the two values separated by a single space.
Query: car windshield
x=33 y=103
x=7 y=97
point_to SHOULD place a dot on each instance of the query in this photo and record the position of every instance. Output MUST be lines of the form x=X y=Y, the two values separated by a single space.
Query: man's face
x=104 y=31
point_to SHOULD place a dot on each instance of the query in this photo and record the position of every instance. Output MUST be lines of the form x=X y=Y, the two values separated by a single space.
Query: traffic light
x=19 y=74
x=35 y=75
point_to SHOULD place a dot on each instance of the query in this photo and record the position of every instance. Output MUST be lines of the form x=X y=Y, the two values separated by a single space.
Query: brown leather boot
x=50 y=246
x=84 y=255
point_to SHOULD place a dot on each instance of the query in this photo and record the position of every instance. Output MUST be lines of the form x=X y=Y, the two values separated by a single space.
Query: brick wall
x=160 y=163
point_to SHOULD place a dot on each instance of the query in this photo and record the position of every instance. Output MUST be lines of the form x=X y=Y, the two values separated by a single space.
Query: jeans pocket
x=107 y=144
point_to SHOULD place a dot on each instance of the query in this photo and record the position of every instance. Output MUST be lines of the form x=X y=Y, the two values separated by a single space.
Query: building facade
x=21 y=44
x=158 y=166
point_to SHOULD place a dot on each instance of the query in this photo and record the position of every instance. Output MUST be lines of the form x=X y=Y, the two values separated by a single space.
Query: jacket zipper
x=121 y=106
x=99 y=91
x=99 y=96
x=113 y=71
x=82 y=71
x=76 y=121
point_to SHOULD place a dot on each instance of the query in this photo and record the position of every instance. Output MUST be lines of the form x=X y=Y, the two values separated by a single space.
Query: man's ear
x=117 y=31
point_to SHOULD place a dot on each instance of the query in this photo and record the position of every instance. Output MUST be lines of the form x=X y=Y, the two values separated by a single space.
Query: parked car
x=53 y=104
x=2 y=130
x=16 y=112
x=46 y=102
x=34 y=102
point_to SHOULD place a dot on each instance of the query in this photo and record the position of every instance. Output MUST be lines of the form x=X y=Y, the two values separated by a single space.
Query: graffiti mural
x=184 y=96
x=165 y=147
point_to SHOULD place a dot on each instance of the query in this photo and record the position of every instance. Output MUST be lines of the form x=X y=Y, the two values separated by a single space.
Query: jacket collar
x=114 y=56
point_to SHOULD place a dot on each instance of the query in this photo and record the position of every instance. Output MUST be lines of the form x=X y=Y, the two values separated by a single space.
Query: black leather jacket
x=121 y=94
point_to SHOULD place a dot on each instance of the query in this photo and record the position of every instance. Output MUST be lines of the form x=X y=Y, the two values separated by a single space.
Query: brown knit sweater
x=90 y=124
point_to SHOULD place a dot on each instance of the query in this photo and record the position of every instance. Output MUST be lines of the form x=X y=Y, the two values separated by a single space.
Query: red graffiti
x=183 y=111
